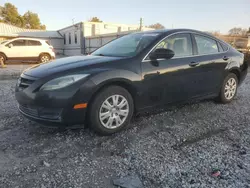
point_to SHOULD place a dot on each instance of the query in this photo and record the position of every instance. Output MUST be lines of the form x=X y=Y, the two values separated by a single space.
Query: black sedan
x=134 y=73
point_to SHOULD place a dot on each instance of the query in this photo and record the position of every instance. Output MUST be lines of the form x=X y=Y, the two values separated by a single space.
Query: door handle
x=193 y=64
x=225 y=58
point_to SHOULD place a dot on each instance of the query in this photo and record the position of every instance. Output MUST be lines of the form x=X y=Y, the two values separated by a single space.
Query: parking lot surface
x=202 y=144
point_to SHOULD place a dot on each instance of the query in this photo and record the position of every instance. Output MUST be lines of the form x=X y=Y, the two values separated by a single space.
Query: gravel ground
x=178 y=147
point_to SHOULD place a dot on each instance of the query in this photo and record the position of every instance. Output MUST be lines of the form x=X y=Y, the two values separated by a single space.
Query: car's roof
x=26 y=38
x=172 y=31
x=168 y=31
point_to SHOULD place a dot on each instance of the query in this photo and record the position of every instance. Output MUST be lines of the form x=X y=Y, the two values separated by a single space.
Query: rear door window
x=220 y=47
x=206 y=45
x=34 y=43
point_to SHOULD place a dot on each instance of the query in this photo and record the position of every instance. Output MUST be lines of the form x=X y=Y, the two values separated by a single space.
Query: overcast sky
x=210 y=15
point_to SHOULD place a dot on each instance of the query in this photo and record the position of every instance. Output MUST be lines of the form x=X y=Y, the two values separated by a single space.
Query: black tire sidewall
x=4 y=58
x=223 y=99
x=93 y=114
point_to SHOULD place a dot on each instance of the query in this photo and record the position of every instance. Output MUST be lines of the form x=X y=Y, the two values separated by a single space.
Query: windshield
x=126 y=46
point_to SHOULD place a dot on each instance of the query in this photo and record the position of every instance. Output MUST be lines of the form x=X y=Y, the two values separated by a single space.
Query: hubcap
x=44 y=59
x=114 y=111
x=230 y=88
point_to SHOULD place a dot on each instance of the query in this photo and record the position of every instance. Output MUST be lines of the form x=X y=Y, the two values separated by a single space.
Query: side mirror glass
x=162 y=53
x=10 y=45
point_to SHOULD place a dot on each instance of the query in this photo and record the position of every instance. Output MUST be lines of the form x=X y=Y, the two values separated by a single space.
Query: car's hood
x=64 y=64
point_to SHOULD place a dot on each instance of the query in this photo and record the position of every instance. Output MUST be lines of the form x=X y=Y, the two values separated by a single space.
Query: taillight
x=52 y=49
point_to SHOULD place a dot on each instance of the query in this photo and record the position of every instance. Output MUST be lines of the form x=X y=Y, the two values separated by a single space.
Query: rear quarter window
x=48 y=42
x=224 y=46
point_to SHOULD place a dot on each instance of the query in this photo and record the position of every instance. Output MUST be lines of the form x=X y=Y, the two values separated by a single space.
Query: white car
x=26 y=49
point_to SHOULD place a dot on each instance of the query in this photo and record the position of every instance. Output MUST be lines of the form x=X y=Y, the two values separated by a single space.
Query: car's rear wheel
x=2 y=59
x=229 y=88
x=111 y=110
x=44 y=58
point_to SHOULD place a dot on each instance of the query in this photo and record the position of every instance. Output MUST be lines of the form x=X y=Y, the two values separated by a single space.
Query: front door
x=170 y=80
x=16 y=49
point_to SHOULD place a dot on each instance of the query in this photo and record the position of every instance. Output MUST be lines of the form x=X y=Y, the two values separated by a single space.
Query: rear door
x=212 y=62
x=34 y=48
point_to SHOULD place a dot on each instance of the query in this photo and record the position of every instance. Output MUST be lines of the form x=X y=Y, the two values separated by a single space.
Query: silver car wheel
x=45 y=59
x=114 y=111
x=230 y=88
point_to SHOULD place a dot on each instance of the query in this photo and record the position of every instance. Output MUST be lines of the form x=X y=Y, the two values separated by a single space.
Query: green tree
x=95 y=19
x=157 y=26
x=43 y=27
x=9 y=14
x=32 y=21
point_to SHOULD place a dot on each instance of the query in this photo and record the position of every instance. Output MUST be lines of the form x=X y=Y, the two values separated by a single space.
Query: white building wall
x=57 y=44
x=92 y=29
x=95 y=28
x=72 y=40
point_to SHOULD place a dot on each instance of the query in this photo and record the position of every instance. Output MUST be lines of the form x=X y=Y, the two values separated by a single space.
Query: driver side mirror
x=161 y=53
x=10 y=45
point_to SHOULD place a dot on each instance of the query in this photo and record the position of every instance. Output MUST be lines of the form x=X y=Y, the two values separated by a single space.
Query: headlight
x=62 y=81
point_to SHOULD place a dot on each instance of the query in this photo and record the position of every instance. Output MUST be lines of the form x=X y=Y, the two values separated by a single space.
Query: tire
x=44 y=58
x=109 y=123
x=230 y=82
x=2 y=58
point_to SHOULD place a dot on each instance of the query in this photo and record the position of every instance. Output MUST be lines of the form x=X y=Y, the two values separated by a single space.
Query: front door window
x=180 y=43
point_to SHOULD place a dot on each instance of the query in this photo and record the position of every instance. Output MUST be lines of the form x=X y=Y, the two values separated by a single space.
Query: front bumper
x=53 y=117
x=52 y=108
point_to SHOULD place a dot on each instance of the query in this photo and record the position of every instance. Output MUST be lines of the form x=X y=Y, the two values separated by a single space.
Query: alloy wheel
x=114 y=111
x=45 y=59
x=230 y=88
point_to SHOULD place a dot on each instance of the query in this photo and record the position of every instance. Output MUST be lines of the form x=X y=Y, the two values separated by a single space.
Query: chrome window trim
x=184 y=32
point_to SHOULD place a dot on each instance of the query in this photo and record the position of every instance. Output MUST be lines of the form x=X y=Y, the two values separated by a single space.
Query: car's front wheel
x=229 y=88
x=44 y=58
x=111 y=110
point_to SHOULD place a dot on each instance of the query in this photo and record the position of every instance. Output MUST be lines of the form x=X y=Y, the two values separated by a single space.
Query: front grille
x=29 y=110
x=24 y=82
x=41 y=112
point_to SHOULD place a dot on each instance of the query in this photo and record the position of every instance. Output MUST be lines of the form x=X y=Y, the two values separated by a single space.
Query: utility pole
x=141 y=24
